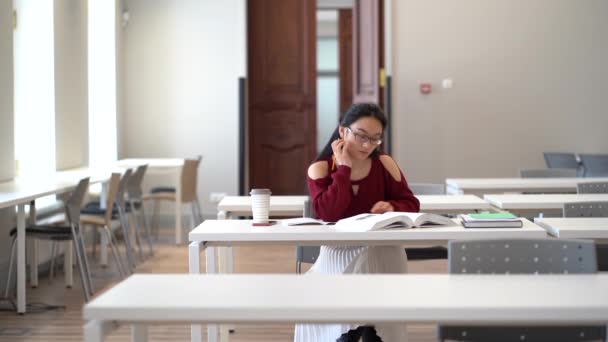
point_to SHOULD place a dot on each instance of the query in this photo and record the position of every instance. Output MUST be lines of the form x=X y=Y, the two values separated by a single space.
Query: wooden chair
x=188 y=195
x=104 y=222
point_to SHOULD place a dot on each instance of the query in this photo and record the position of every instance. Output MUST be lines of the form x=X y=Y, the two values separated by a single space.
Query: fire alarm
x=425 y=88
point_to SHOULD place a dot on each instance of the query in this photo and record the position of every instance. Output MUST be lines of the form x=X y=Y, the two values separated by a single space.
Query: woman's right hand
x=341 y=153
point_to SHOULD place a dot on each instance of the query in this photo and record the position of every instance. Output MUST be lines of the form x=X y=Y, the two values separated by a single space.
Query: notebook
x=491 y=220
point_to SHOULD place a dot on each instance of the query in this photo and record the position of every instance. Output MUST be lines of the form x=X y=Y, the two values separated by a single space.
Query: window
x=34 y=89
x=102 y=82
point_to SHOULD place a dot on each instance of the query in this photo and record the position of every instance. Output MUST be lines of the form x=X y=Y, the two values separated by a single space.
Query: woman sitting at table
x=351 y=176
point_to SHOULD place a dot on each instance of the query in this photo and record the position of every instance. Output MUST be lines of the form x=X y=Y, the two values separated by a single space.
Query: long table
x=482 y=186
x=595 y=228
x=231 y=206
x=225 y=233
x=415 y=298
x=531 y=205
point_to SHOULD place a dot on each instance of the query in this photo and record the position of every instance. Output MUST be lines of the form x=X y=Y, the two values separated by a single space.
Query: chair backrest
x=592 y=188
x=112 y=190
x=595 y=165
x=189 y=179
x=74 y=203
x=427 y=188
x=561 y=160
x=134 y=188
x=547 y=173
x=122 y=188
x=521 y=256
x=586 y=209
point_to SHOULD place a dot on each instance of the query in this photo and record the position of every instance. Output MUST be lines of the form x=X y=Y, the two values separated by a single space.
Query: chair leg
x=198 y=209
x=11 y=261
x=83 y=250
x=194 y=216
x=298 y=267
x=137 y=229
x=53 y=255
x=124 y=223
x=79 y=260
x=146 y=229
x=155 y=211
x=115 y=254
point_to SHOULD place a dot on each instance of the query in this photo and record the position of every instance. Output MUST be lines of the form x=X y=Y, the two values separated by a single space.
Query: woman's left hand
x=382 y=207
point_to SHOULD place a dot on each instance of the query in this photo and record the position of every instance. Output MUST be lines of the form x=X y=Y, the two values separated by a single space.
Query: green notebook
x=491 y=220
x=493 y=216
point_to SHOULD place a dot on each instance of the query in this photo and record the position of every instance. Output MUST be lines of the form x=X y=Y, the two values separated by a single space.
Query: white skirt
x=347 y=260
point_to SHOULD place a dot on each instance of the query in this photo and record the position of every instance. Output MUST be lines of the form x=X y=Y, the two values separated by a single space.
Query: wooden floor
x=65 y=324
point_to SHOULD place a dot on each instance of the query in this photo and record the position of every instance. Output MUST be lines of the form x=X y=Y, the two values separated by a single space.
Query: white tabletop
x=452 y=202
x=519 y=184
x=575 y=227
x=232 y=232
x=277 y=204
x=541 y=201
x=482 y=299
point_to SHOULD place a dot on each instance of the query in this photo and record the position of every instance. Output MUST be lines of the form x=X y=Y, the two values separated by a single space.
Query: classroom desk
x=20 y=192
x=286 y=206
x=482 y=186
x=414 y=298
x=164 y=166
x=231 y=206
x=221 y=233
x=531 y=205
x=595 y=228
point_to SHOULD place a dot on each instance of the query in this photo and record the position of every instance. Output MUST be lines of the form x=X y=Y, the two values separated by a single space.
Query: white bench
x=458 y=299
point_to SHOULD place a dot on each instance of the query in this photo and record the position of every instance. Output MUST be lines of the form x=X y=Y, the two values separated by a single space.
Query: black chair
x=594 y=165
x=522 y=256
x=591 y=209
x=307 y=254
x=68 y=230
x=427 y=253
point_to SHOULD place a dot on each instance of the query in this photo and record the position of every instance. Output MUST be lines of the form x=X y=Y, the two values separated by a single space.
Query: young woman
x=351 y=176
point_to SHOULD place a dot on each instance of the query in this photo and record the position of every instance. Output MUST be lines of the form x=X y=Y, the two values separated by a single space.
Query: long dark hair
x=354 y=113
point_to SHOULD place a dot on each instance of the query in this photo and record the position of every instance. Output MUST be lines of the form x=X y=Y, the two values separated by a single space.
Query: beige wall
x=7 y=146
x=71 y=83
x=529 y=76
x=181 y=61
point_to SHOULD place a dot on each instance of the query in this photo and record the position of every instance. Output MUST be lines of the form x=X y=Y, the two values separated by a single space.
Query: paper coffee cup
x=260 y=205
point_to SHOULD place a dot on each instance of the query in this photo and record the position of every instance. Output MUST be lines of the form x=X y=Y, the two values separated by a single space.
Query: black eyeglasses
x=364 y=139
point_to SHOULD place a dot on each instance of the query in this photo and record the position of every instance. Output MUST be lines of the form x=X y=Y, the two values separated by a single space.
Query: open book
x=303 y=221
x=395 y=219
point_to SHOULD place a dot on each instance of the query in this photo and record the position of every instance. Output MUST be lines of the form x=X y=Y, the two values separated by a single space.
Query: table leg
x=139 y=332
x=178 y=207
x=95 y=331
x=21 y=258
x=67 y=264
x=194 y=267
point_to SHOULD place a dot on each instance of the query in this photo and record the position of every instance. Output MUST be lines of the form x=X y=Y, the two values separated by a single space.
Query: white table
x=452 y=204
x=531 y=205
x=162 y=166
x=595 y=228
x=215 y=233
x=286 y=206
x=481 y=186
x=231 y=206
x=20 y=192
x=414 y=298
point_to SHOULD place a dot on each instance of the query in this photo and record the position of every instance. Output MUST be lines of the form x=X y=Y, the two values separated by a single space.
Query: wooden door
x=368 y=50
x=345 y=51
x=281 y=44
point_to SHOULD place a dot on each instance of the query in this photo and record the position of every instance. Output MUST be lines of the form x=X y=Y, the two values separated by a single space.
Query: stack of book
x=491 y=220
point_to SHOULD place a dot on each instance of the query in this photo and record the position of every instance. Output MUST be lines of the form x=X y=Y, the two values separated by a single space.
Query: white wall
x=71 y=83
x=181 y=64
x=7 y=147
x=529 y=76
